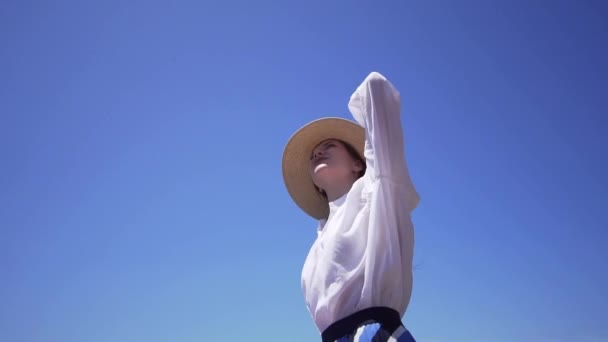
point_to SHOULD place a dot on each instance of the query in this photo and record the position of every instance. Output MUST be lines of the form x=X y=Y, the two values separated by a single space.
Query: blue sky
x=141 y=146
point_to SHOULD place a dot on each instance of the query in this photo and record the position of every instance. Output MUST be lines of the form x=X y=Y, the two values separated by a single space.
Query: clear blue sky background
x=141 y=143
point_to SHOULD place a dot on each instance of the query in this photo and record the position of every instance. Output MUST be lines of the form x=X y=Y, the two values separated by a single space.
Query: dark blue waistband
x=387 y=317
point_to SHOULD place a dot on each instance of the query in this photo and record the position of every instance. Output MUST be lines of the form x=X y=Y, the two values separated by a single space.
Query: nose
x=316 y=154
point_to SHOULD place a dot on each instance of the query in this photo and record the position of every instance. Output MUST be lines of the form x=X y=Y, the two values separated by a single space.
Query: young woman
x=354 y=179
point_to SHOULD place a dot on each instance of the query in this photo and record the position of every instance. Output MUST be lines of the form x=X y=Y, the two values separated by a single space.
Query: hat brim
x=296 y=157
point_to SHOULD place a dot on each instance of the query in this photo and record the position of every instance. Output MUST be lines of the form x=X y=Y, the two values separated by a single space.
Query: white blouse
x=362 y=256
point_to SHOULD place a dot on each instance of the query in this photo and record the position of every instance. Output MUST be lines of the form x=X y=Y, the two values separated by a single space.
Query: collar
x=333 y=206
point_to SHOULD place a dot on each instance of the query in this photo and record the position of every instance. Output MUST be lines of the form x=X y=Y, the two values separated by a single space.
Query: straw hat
x=296 y=158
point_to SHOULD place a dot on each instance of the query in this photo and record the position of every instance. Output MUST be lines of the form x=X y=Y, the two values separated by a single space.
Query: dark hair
x=356 y=156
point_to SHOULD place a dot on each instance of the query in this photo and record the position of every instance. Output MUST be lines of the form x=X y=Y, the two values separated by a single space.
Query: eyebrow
x=323 y=145
x=328 y=142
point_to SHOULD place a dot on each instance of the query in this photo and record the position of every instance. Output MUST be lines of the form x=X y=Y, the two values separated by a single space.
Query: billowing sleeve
x=376 y=105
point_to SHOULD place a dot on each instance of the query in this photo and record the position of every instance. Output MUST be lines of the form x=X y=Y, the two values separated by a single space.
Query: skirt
x=378 y=324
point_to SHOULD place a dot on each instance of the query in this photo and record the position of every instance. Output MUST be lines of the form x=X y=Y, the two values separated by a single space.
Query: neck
x=337 y=190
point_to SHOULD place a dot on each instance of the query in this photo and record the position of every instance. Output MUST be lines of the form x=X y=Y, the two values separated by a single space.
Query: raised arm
x=376 y=105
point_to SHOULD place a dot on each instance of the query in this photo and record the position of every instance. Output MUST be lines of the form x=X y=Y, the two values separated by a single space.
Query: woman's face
x=330 y=162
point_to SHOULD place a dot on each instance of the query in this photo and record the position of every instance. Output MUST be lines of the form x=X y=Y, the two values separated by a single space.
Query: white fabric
x=362 y=256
